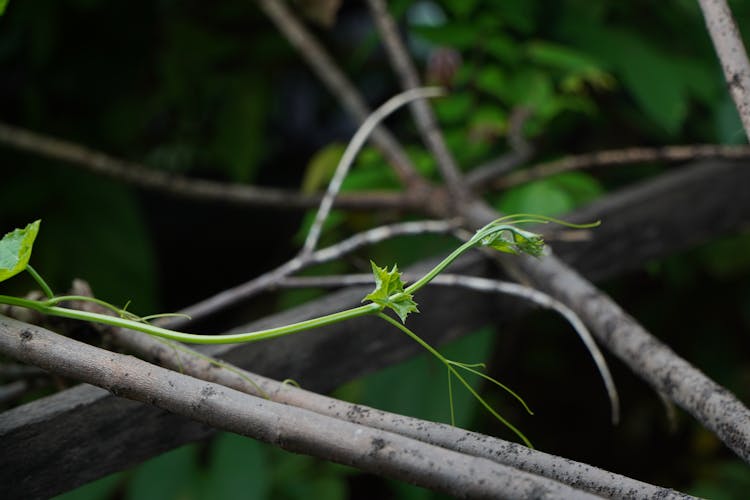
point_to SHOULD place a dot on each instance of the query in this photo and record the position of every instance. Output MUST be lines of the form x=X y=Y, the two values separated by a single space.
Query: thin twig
x=421 y=110
x=291 y=428
x=139 y=175
x=352 y=149
x=244 y=291
x=382 y=233
x=732 y=54
x=339 y=86
x=486 y=285
x=614 y=157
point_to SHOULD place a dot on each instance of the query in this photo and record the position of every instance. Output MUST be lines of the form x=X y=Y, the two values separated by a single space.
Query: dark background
x=213 y=91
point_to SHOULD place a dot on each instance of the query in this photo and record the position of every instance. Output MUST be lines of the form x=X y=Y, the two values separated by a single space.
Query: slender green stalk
x=450 y=397
x=190 y=337
x=83 y=298
x=504 y=387
x=42 y=284
x=491 y=409
x=452 y=371
x=474 y=241
x=439 y=268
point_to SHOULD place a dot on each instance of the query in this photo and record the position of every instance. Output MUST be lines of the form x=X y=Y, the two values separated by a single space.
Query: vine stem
x=190 y=338
x=42 y=284
x=452 y=371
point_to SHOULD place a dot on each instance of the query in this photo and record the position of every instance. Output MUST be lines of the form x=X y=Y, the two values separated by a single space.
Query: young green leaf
x=389 y=292
x=15 y=250
x=515 y=241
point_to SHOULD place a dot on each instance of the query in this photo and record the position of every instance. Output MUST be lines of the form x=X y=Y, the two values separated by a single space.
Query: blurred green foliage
x=212 y=90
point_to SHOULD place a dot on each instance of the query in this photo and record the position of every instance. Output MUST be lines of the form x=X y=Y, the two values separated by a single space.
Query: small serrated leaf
x=389 y=292
x=15 y=250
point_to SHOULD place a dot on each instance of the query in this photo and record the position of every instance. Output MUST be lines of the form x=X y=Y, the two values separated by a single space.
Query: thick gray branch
x=579 y=475
x=288 y=427
x=104 y=434
x=712 y=405
x=732 y=54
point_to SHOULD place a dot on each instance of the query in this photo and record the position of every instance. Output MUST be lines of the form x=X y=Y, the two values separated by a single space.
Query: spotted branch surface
x=731 y=51
x=288 y=427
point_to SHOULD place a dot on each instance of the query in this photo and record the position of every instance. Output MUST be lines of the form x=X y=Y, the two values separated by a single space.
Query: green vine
x=389 y=293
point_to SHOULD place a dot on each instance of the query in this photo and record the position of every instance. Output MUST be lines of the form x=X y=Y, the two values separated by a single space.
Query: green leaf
x=560 y=56
x=540 y=197
x=503 y=48
x=462 y=9
x=239 y=124
x=321 y=167
x=516 y=242
x=3 y=5
x=171 y=475
x=15 y=250
x=238 y=468
x=458 y=36
x=389 y=292
x=455 y=108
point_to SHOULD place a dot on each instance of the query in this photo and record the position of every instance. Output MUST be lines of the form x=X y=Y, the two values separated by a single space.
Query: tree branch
x=611 y=157
x=712 y=405
x=679 y=209
x=575 y=474
x=139 y=175
x=285 y=426
x=340 y=87
x=423 y=114
x=732 y=54
x=244 y=291
x=354 y=146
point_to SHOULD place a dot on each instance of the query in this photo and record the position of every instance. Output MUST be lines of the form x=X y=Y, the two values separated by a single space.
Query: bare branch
x=679 y=209
x=352 y=149
x=340 y=87
x=139 y=175
x=580 y=475
x=423 y=114
x=244 y=291
x=614 y=157
x=732 y=54
x=714 y=406
x=291 y=428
